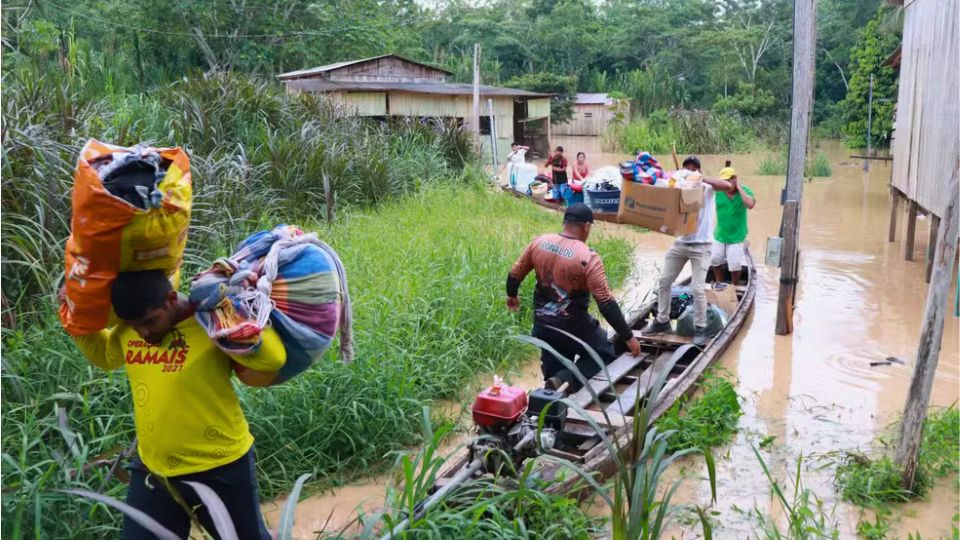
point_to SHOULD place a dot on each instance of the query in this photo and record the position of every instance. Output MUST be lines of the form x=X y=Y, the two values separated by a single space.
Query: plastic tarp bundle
x=131 y=212
x=716 y=321
x=283 y=277
x=520 y=175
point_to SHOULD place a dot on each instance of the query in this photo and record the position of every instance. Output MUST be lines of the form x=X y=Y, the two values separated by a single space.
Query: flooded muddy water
x=815 y=391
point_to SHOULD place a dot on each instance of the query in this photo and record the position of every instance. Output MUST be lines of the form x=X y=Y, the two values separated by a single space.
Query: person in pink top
x=580 y=168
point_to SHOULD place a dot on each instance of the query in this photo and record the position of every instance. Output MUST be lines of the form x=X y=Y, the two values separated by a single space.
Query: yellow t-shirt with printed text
x=187 y=415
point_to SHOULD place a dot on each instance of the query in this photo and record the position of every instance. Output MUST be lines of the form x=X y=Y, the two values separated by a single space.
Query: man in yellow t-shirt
x=189 y=423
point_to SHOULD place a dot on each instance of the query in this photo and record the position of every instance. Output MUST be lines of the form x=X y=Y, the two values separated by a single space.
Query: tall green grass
x=806 y=515
x=426 y=275
x=693 y=131
x=876 y=482
x=499 y=507
x=255 y=151
x=777 y=166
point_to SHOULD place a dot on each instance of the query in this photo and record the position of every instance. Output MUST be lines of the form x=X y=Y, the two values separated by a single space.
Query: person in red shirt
x=557 y=163
x=568 y=274
x=580 y=168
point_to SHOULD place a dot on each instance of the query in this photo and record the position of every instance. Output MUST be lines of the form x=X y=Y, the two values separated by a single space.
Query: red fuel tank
x=499 y=405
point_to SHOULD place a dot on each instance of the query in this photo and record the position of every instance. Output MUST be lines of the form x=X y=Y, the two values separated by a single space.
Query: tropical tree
x=872 y=49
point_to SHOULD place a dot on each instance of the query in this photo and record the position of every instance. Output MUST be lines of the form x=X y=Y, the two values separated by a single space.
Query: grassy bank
x=255 y=151
x=694 y=131
x=426 y=274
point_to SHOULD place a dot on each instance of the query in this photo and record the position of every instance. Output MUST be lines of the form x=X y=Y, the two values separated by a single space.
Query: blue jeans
x=235 y=483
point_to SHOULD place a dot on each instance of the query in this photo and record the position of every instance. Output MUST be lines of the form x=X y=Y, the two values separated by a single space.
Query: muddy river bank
x=814 y=392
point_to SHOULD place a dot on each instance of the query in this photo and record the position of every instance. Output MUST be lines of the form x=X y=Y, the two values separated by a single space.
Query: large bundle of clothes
x=646 y=169
x=284 y=277
x=131 y=212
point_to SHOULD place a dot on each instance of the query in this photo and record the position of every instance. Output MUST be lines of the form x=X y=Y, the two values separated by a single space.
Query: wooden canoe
x=609 y=217
x=629 y=379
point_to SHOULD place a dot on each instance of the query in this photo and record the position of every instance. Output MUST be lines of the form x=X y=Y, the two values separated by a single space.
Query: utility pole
x=493 y=137
x=931 y=336
x=866 y=162
x=476 y=95
x=804 y=49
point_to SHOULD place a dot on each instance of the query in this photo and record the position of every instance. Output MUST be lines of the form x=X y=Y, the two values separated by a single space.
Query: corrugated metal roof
x=309 y=72
x=457 y=89
x=594 y=99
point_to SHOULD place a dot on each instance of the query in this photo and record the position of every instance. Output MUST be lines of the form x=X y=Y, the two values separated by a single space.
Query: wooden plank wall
x=362 y=103
x=588 y=120
x=538 y=108
x=387 y=70
x=927 y=146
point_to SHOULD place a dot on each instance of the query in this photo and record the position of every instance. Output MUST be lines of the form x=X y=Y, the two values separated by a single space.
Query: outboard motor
x=507 y=421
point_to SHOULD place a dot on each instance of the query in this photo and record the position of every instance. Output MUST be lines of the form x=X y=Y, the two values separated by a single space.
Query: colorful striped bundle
x=283 y=277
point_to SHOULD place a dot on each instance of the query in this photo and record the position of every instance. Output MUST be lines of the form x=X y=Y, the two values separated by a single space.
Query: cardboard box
x=724 y=296
x=665 y=210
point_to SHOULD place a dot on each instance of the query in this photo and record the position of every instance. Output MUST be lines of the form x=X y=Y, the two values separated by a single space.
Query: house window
x=484 y=125
x=588 y=115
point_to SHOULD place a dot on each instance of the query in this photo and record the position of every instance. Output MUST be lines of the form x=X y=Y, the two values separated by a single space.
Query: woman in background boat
x=580 y=168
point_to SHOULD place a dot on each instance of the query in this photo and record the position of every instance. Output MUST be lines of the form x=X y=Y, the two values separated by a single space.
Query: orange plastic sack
x=109 y=234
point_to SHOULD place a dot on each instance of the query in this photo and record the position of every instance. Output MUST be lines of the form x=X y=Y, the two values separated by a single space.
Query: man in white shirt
x=695 y=248
x=518 y=154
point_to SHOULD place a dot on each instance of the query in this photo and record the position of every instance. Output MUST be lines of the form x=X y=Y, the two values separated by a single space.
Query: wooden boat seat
x=617 y=369
x=671 y=339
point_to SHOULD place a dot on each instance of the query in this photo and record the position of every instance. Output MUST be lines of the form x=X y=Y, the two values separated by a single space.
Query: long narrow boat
x=630 y=379
x=610 y=217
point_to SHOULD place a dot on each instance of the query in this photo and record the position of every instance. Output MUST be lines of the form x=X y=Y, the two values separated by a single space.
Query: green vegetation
x=504 y=507
x=806 y=515
x=693 y=131
x=255 y=151
x=421 y=329
x=874 y=45
x=564 y=90
x=706 y=421
x=819 y=166
x=877 y=482
x=640 y=510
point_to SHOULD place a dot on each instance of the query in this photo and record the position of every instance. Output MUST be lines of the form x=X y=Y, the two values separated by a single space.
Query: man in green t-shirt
x=731 y=231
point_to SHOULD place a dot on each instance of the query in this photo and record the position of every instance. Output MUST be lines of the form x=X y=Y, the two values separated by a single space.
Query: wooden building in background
x=592 y=115
x=390 y=85
x=926 y=144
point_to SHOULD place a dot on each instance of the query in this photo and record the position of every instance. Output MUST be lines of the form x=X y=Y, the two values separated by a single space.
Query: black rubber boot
x=655 y=327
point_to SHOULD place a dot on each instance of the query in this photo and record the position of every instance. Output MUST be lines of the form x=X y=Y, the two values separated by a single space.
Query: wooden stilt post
x=894 y=206
x=931 y=335
x=804 y=47
x=932 y=244
x=911 y=230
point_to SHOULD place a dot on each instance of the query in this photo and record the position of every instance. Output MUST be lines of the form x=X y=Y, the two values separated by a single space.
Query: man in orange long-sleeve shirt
x=568 y=274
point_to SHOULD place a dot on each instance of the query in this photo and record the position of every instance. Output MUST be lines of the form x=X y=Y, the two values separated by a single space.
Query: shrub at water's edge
x=426 y=274
x=874 y=482
x=705 y=421
x=694 y=131
x=819 y=166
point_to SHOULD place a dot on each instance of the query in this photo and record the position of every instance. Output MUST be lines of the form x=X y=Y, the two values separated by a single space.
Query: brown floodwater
x=814 y=391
